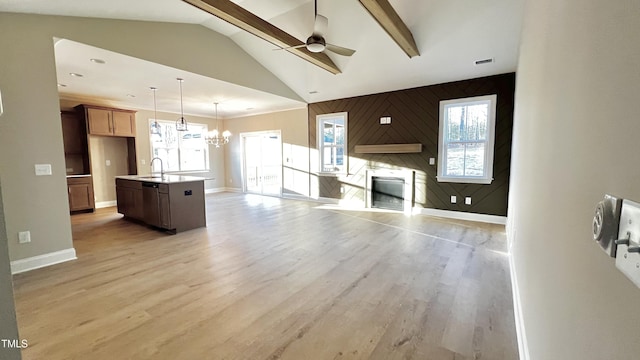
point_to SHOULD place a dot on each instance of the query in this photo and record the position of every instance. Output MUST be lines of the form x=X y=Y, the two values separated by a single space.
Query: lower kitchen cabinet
x=80 y=191
x=129 y=198
x=174 y=206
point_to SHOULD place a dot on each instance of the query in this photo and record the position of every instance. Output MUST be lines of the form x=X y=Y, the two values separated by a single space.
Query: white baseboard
x=36 y=262
x=214 y=190
x=106 y=204
x=233 y=190
x=295 y=196
x=460 y=215
x=523 y=345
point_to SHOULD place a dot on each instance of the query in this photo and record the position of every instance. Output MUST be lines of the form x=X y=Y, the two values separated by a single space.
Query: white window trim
x=487 y=178
x=320 y=145
x=207 y=158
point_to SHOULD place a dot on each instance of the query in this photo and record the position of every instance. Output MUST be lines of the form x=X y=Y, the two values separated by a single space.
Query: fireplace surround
x=389 y=189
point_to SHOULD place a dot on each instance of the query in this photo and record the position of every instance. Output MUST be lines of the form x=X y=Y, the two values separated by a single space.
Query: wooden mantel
x=389 y=149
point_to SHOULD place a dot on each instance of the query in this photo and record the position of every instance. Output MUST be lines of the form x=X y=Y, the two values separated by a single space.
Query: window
x=467 y=127
x=332 y=142
x=179 y=150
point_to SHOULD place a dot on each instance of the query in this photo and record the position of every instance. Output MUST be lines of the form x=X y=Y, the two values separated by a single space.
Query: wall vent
x=484 y=61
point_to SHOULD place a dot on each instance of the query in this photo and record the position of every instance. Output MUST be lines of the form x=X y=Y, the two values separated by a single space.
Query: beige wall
x=30 y=129
x=576 y=126
x=295 y=150
x=8 y=325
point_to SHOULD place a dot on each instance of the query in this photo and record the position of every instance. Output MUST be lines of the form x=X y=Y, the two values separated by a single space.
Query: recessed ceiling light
x=313 y=92
x=250 y=108
x=97 y=61
x=484 y=61
x=62 y=85
x=76 y=75
x=131 y=95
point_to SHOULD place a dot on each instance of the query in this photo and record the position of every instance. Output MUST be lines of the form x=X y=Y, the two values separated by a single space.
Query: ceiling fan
x=316 y=43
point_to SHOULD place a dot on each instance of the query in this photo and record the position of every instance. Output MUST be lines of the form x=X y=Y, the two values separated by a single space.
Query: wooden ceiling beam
x=391 y=22
x=236 y=15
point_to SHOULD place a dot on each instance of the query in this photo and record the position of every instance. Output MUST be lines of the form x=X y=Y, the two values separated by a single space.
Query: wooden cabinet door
x=165 y=211
x=123 y=199
x=99 y=122
x=137 y=205
x=123 y=124
x=80 y=197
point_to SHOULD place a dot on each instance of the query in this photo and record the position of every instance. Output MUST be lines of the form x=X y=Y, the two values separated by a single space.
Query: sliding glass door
x=262 y=162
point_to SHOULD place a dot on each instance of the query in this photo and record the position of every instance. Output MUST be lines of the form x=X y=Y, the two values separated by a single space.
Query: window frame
x=320 y=121
x=180 y=148
x=487 y=176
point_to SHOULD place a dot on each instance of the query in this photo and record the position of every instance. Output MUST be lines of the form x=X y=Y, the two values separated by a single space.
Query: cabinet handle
x=110 y=122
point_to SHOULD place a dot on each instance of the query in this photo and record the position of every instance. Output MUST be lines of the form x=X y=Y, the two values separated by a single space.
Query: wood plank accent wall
x=414 y=114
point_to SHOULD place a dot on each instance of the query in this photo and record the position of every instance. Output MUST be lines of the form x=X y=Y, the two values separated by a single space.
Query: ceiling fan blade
x=291 y=47
x=320 y=26
x=340 y=50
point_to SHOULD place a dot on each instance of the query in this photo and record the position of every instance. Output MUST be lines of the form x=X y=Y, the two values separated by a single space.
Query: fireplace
x=387 y=193
x=389 y=189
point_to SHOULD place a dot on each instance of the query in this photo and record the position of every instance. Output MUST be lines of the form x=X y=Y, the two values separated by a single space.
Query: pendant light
x=181 y=124
x=214 y=138
x=155 y=126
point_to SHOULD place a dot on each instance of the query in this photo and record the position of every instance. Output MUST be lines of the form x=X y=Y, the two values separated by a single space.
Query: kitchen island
x=173 y=203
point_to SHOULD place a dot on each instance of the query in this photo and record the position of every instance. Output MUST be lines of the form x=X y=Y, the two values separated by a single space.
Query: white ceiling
x=450 y=34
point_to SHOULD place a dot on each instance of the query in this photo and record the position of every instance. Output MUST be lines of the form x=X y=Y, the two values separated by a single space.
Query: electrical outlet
x=467 y=200
x=24 y=237
x=454 y=199
x=108 y=162
x=143 y=162
x=432 y=161
x=341 y=189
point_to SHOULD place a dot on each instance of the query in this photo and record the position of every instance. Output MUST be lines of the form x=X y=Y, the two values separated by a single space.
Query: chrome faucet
x=161 y=166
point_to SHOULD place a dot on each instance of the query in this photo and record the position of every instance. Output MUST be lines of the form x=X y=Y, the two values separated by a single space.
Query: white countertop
x=165 y=179
x=77 y=176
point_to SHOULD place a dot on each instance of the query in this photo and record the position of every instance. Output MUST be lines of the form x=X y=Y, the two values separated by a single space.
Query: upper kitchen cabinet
x=109 y=122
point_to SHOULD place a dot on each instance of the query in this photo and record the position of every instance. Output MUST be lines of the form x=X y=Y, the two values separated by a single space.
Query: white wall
x=575 y=133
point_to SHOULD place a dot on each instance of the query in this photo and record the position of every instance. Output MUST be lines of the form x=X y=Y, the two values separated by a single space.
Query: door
x=262 y=159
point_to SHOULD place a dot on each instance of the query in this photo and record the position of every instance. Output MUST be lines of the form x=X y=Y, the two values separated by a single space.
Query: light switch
x=143 y=162
x=43 y=169
x=628 y=242
x=453 y=199
x=467 y=200
x=108 y=162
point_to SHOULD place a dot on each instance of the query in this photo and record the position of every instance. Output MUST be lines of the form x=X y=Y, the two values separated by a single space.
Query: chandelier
x=214 y=138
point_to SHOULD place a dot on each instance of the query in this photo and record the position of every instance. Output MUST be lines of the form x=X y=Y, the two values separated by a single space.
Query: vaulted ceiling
x=450 y=36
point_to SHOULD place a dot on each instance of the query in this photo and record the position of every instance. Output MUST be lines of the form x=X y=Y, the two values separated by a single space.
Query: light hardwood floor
x=273 y=279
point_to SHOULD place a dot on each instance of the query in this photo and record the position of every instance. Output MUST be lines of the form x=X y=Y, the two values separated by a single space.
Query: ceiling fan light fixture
x=316 y=44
